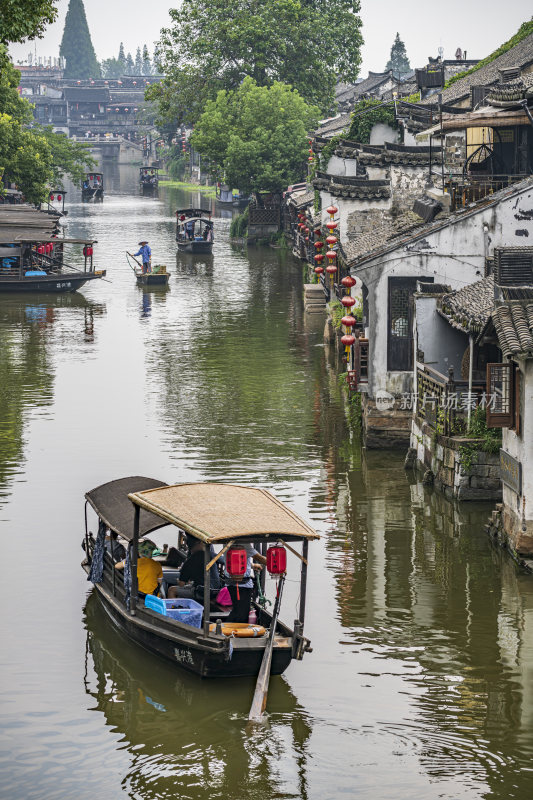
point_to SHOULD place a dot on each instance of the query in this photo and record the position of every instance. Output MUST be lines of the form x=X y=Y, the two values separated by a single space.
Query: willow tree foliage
x=309 y=44
x=257 y=135
x=25 y=19
x=76 y=45
x=398 y=61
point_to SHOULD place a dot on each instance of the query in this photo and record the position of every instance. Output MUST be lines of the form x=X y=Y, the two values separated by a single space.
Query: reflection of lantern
x=319 y=245
x=276 y=560
x=319 y=258
x=331 y=240
x=331 y=225
x=331 y=210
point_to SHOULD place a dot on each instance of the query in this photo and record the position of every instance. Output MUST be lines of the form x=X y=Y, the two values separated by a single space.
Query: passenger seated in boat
x=191 y=576
x=149 y=575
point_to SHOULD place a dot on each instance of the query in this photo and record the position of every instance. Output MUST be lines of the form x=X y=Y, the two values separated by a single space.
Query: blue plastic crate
x=179 y=608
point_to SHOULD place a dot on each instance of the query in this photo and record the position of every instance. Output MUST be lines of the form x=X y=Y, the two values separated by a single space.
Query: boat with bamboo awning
x=220 y=520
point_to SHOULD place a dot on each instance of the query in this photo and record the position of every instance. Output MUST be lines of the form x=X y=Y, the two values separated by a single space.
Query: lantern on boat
x=331 y=210
x=319 y=258
x=58 y=198
x=276 y=557
x=319 y=245
x=331 y=225
x=52 y=198
x=236 y=562
x=331 y=240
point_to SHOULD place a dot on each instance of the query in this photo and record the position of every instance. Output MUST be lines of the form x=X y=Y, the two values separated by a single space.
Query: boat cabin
x=228 y=528
x=194 y=230
x=148 y=179
x=93 y=187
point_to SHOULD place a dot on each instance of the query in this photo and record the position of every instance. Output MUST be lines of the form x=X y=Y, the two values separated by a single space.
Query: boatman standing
x=146 y=254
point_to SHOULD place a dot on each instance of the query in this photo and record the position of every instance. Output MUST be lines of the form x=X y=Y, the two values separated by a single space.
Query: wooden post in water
x=261 y=687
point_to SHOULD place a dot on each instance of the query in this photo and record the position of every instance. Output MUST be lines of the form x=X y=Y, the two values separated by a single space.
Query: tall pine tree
x=129 y=64
x=147 y=67
x=76 y=46
x=398 y=61
x=138 y=62
x=122 y=55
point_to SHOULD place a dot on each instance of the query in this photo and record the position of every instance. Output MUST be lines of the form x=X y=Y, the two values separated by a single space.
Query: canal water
x=420 y=683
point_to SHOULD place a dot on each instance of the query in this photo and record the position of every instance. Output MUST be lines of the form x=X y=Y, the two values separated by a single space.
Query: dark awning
x=111 y=503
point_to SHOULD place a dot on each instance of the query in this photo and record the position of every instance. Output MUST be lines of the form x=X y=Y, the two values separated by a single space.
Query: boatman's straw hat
x=143 y=242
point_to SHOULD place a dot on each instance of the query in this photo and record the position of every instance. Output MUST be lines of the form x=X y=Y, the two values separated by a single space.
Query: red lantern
x=52 y=197
x=332 y=210
x=331 y=255
x=319 y=245
x=40 y=249
x=331 y=225
x=58 y=197
x=348 y=339
x=48 y=248
x=349 y=321
x=319 y=258
x=348 y=301
x=348 y=282
x=276 y=560
x=310 y=158
x=317 y=232
x=236 y=562
x=331 y=240
x=319 y=271
x=307 y=238
x=310 y=151
x=331 y=269
x=89 y=251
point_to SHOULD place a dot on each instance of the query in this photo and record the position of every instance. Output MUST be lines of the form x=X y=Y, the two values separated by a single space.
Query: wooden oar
x=261 y=687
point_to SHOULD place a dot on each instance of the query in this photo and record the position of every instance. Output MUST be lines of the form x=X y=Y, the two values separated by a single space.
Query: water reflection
x=185 y=735
x=33 y=329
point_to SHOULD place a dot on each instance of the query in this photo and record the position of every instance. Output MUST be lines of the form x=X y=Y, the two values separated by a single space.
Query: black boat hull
x=51 y=283
x=95 y=195
x=151 y=279
x=195 y=247
x=185 y=648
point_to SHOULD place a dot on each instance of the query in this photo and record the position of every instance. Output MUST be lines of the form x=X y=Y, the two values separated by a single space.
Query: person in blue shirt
x=146 y=254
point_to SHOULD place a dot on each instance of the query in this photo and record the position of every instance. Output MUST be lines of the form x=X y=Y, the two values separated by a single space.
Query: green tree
x=146 y=65
x=129 y=64
x=25 y=19
x=32 y=158
x=138 y=66
x=256 y=136
x=398 y=61
x=122 y=56
x=76 y=46
x=310 y=44
x=365 y=116
x=112 y=68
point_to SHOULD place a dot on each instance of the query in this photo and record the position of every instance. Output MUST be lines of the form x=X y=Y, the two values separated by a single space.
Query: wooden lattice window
x=500 y=395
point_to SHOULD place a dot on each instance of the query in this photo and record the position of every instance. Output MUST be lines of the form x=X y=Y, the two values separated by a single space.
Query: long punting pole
x=133 y=560
x=261 y=687
x=207 y=588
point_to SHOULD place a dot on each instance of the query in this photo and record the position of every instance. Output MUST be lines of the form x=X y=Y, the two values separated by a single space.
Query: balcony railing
x=442 y=402
x=464 y=192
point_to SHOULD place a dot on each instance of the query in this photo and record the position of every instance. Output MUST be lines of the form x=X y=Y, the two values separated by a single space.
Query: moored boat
x=194 y=230
x=92 y=189
x=198 y=636
x=32 y=259
x=149 y=180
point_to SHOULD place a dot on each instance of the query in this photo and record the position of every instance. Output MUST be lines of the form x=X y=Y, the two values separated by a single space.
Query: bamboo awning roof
x=217 y=512
x=111 y=503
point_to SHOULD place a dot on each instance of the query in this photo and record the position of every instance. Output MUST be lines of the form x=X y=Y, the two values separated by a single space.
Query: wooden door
x=400 y=324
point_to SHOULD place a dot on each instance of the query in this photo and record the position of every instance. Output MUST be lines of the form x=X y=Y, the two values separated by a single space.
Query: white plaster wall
x=381 y=133
x=342 y=166
x=521 y=447
x=453 y=255
x=443 y=346
x=347 y=206
x=377 y=173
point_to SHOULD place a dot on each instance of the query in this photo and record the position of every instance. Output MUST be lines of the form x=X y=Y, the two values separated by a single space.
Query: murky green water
x=421 y=680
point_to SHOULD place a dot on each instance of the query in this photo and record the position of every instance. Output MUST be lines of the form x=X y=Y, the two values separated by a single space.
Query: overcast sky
x=477 y=26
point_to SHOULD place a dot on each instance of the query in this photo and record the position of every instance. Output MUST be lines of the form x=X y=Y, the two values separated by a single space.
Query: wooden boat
x=224 y=515
x=194 y=230
x=38 y=265
x=158 y=276
x=149 y=180
x=92 y=189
